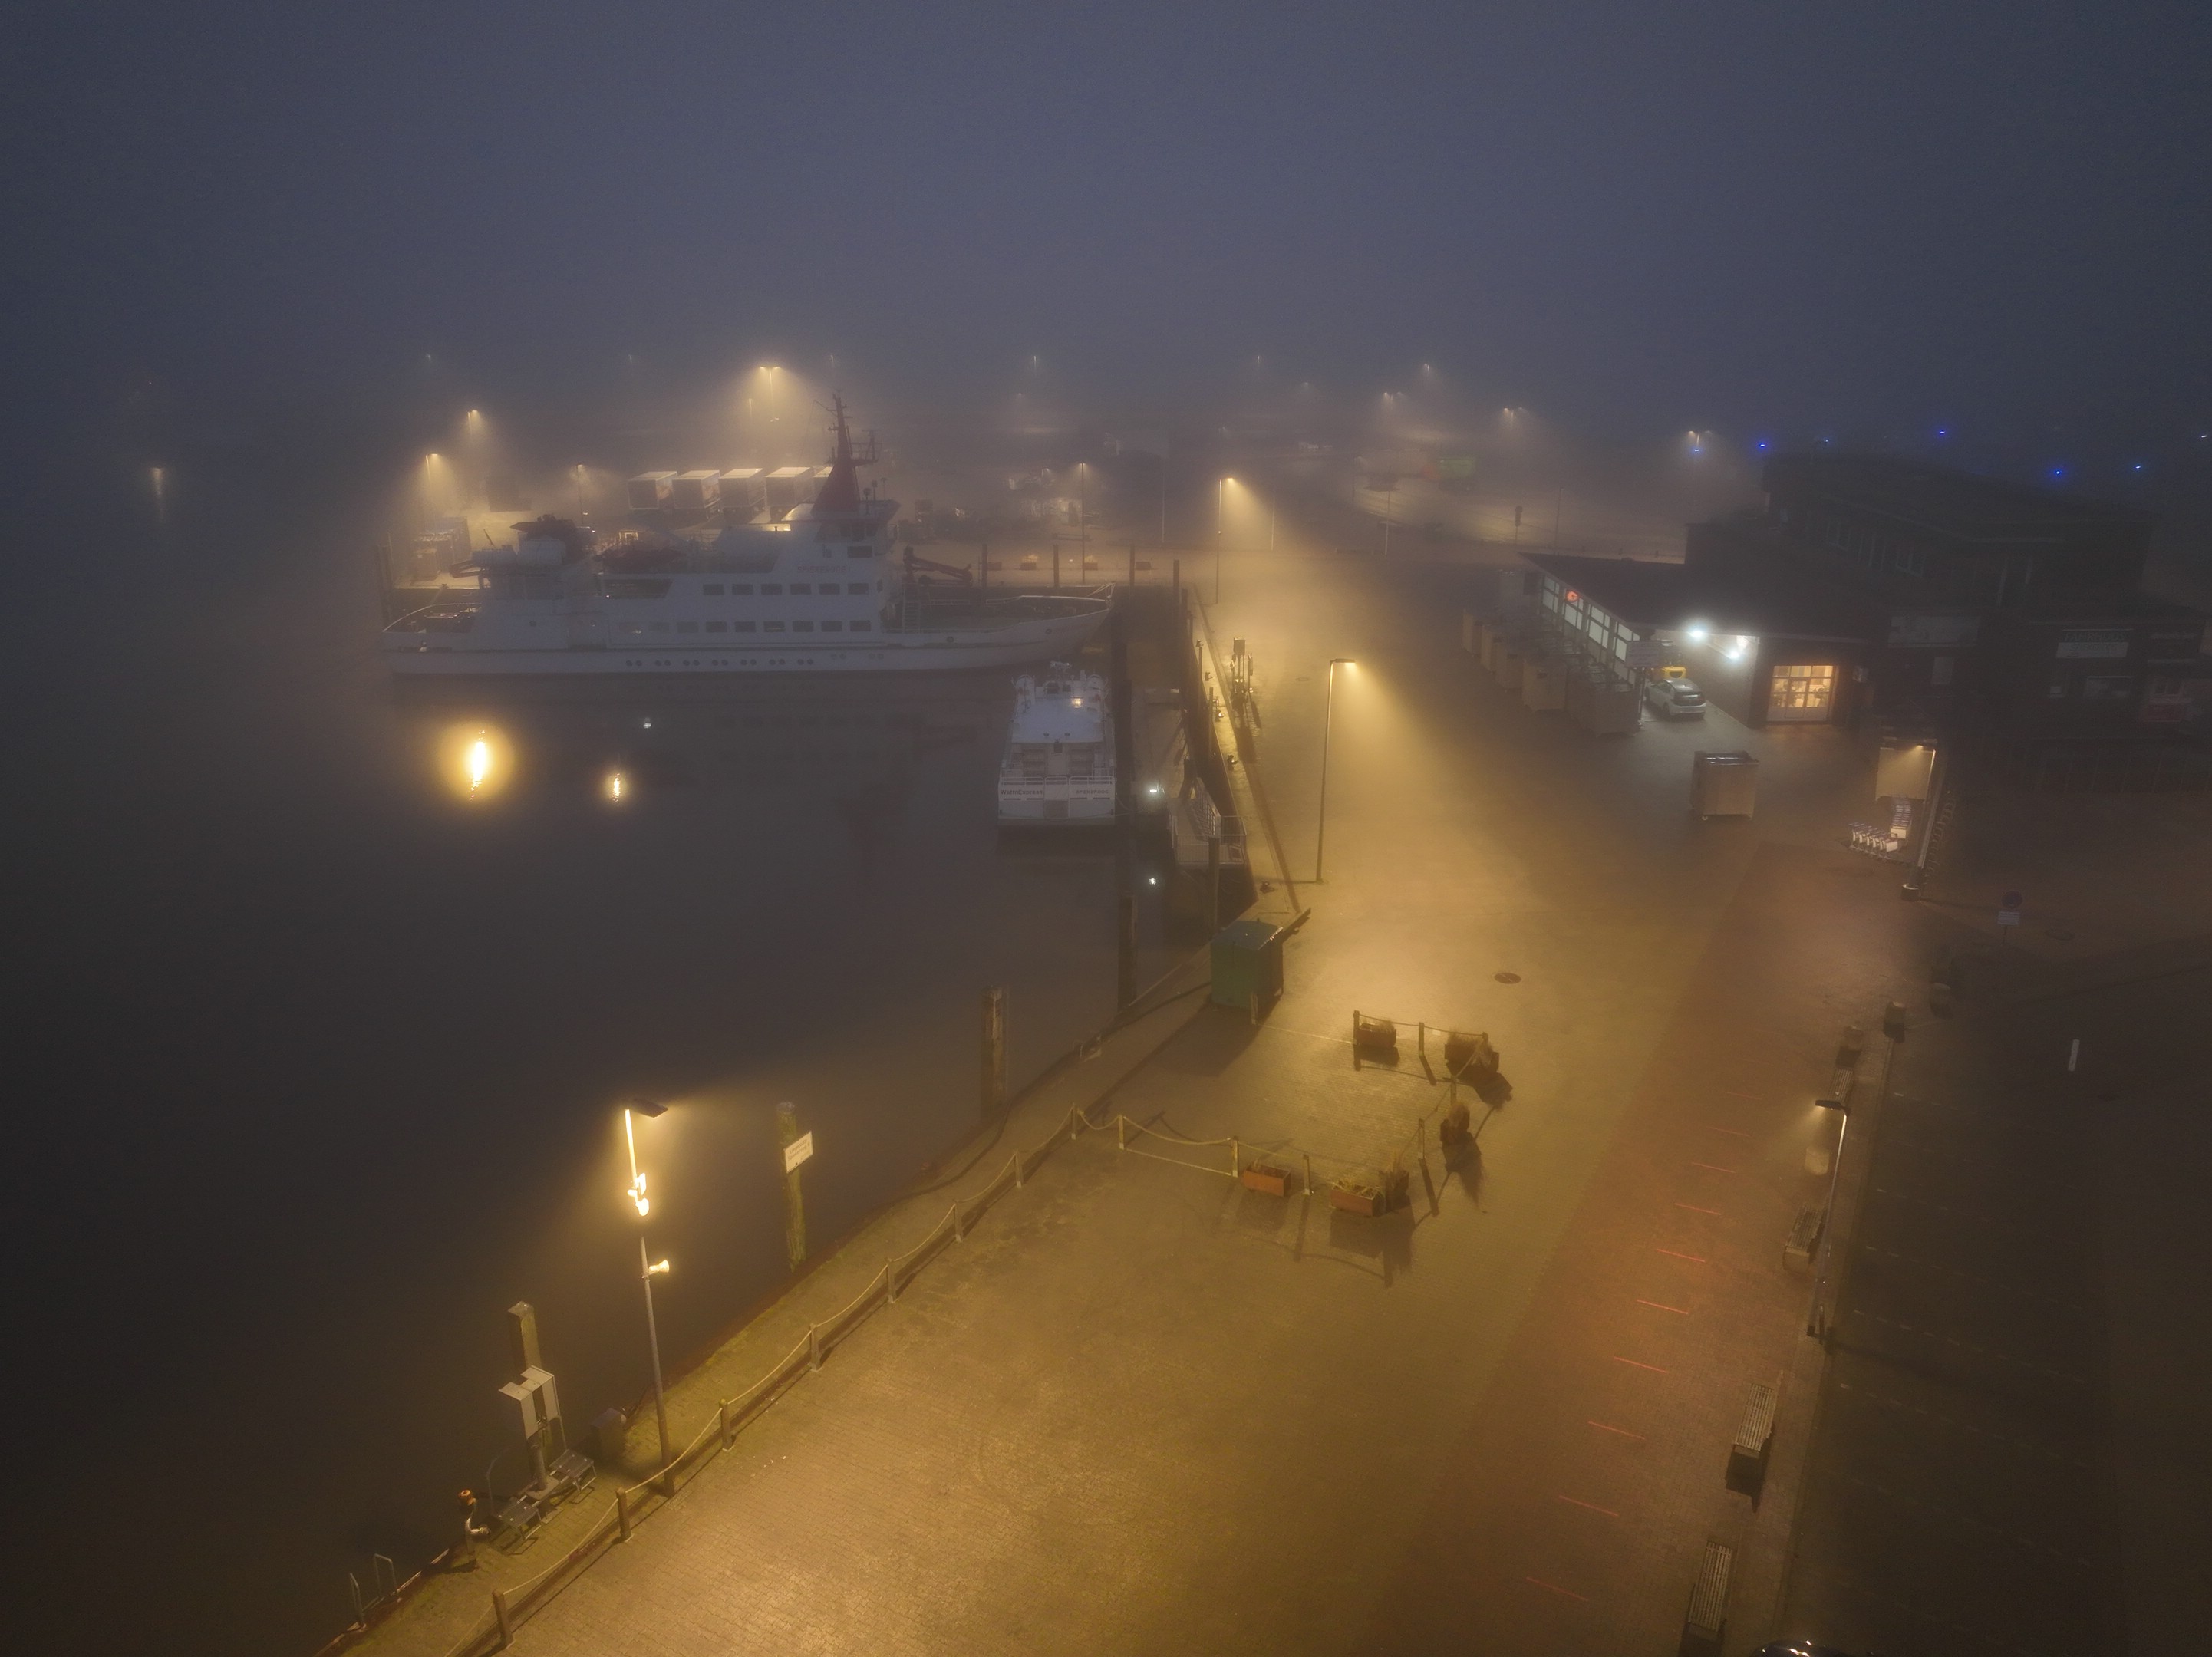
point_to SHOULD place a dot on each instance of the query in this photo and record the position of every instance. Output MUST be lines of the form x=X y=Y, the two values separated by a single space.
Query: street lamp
x=647 y=1270
x=1327 y=719
x=1220 y=523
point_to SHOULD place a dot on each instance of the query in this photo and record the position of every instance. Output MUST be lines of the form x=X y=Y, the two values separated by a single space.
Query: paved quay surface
x=1143 y=1409
x=2011 y=1448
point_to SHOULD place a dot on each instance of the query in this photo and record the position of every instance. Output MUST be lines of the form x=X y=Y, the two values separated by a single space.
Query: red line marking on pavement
x=1694 y=1209
x=1680 y=1256
x=1555 y=1588
x=1683 y=1311
x=1633 y=1364
x=1711 y=1168
x=1623 y=1432
x=1578 y=1501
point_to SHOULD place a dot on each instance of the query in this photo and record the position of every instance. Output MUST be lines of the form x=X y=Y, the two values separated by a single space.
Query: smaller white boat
x=1059 y=767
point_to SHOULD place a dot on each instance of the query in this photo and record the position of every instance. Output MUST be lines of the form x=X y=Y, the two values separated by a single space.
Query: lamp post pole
x=647 y=1270
x=1327 y=719
x=1220 y=512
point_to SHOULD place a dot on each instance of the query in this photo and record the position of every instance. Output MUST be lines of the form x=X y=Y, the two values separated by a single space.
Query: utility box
x=1248 y=966
x=1598 y=702
x=1723 y=785
x=1543 y=686
x=696 y=492
x=739 y=491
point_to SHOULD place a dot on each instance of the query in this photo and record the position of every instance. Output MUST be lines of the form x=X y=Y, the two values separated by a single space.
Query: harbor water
x=327 y=992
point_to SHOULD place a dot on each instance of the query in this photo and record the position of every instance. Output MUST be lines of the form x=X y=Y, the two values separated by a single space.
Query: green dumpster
x=1248 y=966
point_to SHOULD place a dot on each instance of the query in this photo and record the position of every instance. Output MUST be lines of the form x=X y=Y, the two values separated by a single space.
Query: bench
x=1746 y=1462
x=1706 y=1621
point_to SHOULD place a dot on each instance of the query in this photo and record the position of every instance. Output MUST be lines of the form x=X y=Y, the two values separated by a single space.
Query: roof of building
x=1783 y=601
x=1946 y=501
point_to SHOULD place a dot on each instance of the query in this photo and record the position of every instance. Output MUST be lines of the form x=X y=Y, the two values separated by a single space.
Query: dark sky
x=1734 y=215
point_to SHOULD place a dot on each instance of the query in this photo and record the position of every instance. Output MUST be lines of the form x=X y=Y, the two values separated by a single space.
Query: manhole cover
x=1507 y=978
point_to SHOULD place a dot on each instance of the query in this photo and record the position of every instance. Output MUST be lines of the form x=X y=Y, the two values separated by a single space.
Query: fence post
x=890 y=1282
x=499 y=1614
x=1236 y=1159
x=726 y=1435
x=813 y=1346
x=1121 y=1131
x=1307 y=1154
x=622 y=1511
x=1017 y=1170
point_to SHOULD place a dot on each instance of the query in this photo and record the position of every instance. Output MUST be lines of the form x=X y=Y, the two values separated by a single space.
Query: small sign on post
x=797 y=1151
x=2009 y=907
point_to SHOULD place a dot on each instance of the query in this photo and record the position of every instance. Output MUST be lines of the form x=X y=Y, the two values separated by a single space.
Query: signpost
x=797 y=1151
x=2009 y=907
x=797 y=1148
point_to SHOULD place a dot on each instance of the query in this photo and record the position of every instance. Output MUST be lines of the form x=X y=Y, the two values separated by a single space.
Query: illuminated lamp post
x=1327 y=719
x=1220 y=528
x=648 y=1269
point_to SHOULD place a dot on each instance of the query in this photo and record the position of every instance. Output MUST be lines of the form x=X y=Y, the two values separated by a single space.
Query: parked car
x=1675 y=698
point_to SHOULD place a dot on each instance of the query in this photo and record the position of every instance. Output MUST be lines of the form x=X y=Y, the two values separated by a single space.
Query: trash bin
x=1248 y=966
x=1723 y=785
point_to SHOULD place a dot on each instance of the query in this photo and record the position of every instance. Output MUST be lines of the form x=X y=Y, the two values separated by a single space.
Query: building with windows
x=1867 y=585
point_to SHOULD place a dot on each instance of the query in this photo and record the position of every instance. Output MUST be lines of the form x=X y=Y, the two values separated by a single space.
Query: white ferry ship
x=818 y=591
x=1059 y=766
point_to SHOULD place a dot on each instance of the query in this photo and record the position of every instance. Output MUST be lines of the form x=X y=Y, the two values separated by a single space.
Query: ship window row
x=777 y=589
x=636 y=629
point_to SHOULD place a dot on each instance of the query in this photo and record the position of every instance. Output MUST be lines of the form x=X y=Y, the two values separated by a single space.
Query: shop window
x=2108 y=686
x=1806 y=693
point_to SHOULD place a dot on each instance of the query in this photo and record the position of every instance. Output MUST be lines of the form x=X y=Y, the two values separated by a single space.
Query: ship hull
x=950 y=653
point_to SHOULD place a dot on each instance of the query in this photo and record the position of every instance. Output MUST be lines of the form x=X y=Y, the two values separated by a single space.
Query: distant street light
x=1327 y=719
x=648 y=1269
x=1220 y=529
